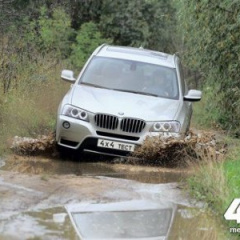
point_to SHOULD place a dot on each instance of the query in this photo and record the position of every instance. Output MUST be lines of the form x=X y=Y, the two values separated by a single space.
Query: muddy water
x=35 y=190
x=93 y=167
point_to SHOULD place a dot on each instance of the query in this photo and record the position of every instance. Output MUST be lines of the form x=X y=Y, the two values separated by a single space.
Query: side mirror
x=68 y=75
x=193 y=96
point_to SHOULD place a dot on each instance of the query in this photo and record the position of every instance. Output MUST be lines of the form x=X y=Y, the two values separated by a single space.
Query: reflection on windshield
x=134 y=219
x=126 y=75
x=132 y=224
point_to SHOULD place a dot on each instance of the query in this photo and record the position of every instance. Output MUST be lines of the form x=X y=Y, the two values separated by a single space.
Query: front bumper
x=84 y=135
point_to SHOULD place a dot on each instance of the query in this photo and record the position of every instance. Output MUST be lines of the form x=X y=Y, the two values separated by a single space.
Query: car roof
x=136 y=54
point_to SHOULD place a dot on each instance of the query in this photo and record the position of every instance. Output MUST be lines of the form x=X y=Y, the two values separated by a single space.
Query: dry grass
x=209 y=183
x=29 y=108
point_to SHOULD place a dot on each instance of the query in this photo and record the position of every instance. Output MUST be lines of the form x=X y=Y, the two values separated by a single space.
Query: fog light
x=66 y=125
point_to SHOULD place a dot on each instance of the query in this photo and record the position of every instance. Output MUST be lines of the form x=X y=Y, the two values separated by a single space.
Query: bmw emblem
x=121 y=113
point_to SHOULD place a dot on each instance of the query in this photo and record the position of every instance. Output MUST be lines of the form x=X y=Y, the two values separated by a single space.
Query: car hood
x=99 y=100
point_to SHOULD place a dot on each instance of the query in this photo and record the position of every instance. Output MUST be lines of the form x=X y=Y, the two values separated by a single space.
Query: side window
x=183 y=83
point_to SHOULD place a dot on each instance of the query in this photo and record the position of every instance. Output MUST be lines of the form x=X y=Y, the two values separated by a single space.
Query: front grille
x=131 y=125
x=106 y=121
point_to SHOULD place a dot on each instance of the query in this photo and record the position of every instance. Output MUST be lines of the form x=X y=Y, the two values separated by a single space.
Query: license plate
x=115 y=145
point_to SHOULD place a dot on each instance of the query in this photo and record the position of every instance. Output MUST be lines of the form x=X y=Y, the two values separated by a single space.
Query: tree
x=80 y=11
x=139 y=23
x=53 y=33
x=8 y=49
x=83 y=11
x=88 y=38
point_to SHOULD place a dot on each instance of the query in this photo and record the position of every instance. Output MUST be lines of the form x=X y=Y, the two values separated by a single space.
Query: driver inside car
x=158 y=84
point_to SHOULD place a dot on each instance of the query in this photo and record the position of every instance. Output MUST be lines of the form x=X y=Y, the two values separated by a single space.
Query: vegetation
x=217 y=183
x=87 y=40
x=210 y=34
x=210 y=31
x=139 y=23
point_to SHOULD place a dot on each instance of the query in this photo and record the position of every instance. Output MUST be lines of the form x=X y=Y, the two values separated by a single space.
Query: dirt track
x=34 y=189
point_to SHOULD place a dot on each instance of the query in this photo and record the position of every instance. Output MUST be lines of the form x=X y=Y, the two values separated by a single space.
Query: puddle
x=188 y=224
x=37 y=225
x=192 y=224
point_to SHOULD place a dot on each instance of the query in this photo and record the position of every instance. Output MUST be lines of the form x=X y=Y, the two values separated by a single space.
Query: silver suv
x=121 y=96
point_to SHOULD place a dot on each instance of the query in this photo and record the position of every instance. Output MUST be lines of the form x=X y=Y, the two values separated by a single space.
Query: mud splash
x=158 y=150
x=34 y=146
x=169 y=151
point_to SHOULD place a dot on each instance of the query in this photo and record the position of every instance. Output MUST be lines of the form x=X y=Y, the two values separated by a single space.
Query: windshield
x=131 y=76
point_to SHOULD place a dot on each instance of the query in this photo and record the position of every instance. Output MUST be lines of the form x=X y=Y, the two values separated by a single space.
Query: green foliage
x=206 y=114
x=124 y=21
x=139 y=23
x=8 y=15
x=22 y=52
x=217 y=183
x=232 y=175
x=161 y=19
x=88 y=38
x=84 y=11
x=211 y=31
x=52 y=34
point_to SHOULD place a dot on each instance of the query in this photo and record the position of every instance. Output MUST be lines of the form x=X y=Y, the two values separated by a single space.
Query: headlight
x=172 y=126
x=74 y=112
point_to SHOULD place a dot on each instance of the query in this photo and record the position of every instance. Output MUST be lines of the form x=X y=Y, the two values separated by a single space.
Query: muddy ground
x=34 y=190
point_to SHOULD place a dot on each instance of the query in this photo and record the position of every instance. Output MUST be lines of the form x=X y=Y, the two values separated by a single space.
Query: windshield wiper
x=95 y=85
x=92 y=85
x=120 y=90
x=136 y=92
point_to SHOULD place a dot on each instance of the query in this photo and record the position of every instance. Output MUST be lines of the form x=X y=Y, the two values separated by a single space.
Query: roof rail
x=100 y=47
x=178 y=54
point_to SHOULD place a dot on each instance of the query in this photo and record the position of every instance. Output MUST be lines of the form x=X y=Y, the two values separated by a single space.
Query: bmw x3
x=121 y=96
